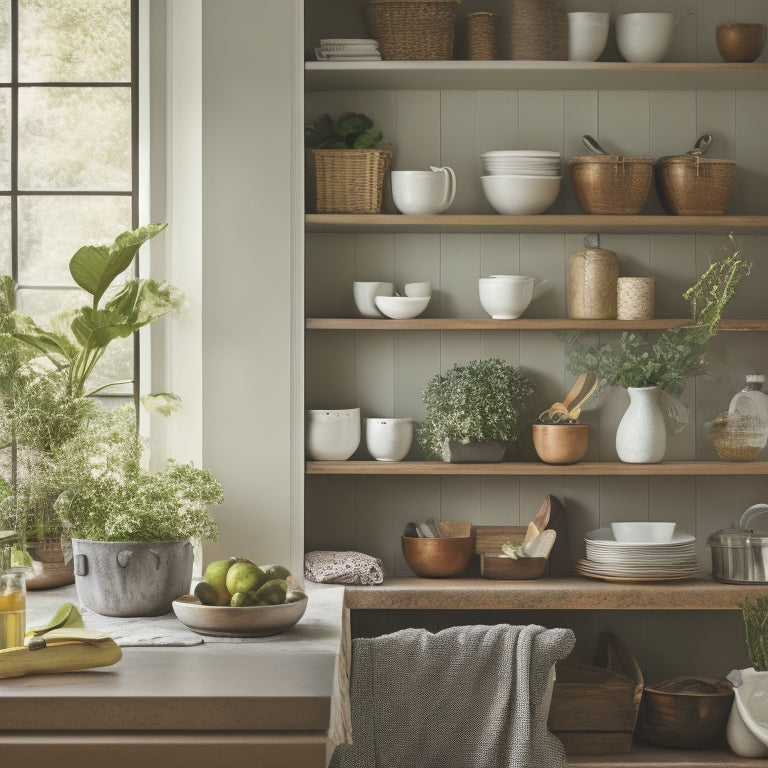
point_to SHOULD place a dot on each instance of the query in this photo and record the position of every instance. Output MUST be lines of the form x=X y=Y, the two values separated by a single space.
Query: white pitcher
x=424 y=192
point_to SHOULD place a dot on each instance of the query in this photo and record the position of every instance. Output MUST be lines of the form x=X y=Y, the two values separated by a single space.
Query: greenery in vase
x=476 y=402
x=755 y=614
x=352 y=130
x=679 y=353
x=109 y=496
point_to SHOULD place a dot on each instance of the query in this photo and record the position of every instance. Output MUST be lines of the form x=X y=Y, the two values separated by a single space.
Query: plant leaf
x=94 y=267
x=165 y=403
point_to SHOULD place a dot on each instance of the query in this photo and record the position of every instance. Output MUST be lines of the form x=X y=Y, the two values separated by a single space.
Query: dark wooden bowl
x=438 y=558
x=493 y=566
x=686 y=712
x=560 y=443
x=740 y=42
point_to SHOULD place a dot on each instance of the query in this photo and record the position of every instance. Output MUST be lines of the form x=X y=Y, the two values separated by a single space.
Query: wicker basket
x=610 y=184
x=692 y=186
x=594 y=706
x=535 y=30
x=481 y=36
x=412 y=31
x=635 y=298
x=347 y=180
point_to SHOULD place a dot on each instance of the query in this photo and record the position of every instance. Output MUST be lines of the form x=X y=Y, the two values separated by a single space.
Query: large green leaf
x=94 y=267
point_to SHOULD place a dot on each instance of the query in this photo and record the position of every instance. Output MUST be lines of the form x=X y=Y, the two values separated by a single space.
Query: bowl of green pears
x=239 y=598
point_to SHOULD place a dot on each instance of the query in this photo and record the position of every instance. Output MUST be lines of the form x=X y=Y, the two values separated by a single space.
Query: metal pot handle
x=750 y=514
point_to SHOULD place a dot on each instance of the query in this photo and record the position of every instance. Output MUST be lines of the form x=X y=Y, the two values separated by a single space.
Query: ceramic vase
x=642 y=436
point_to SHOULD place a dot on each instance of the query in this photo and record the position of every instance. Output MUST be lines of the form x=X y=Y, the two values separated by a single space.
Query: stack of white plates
x=523 y=162
x=637 y=560
x=348 y=49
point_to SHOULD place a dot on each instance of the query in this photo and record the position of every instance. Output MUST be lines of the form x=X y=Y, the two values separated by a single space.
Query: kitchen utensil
x=592 y=145
x=578 y=394
x=740 y=555
x=423 y=192
x=701 y=146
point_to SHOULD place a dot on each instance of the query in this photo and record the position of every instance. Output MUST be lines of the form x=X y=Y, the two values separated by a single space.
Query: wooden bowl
x=560 y=443
x=740 y=42
x=493 y=566
x=438 y=558
x=686 y=712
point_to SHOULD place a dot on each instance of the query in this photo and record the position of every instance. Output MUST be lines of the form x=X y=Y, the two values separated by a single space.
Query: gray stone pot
x=131 y=578
x=487 y=452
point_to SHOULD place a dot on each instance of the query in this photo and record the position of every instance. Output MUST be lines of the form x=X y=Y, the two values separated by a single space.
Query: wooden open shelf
x=701 y=593
x=649 y=756
x=527 y=324
x=531 y=468
x=537 y=75
x=557 y=223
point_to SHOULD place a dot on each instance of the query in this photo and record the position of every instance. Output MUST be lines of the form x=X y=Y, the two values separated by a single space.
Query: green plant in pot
x=130 y=527
x=650 y=368
x=473 y=411
x=44 y=375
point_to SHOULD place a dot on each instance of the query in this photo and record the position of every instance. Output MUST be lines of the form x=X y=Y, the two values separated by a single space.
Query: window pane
x=5 y=139
x=74 y=41
x=45 y=250
x=5 y=41
x=75 y=138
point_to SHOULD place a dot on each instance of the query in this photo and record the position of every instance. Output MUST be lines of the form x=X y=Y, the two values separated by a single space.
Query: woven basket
x=535 y=30
x=347 y=180
x=636 y=298
x=691 y=186
x=610 y=184
x=412 y=31
x=481 y=36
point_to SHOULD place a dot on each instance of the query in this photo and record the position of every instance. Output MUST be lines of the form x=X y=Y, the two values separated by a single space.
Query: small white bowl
x=505 y=297
x=402 y=307
x=388 y=439
x=587 y=35
x=365 y=293
x=658 y=533
x=333 y=435
x=418 y=290
x=520 y=195
x=644 y=37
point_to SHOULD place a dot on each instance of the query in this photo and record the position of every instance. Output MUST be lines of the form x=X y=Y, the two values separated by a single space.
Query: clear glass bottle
x=741 y=432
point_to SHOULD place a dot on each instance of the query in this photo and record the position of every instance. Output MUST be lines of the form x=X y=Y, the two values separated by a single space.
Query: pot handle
x=750 y=514
x=124 y=557
x=81 y=565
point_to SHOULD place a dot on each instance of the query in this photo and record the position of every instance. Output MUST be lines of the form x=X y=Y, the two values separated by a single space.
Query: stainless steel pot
x=740 y=555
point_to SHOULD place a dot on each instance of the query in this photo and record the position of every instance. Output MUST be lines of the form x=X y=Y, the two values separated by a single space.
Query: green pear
x=271 y=593
x=276 y=572
x=206 y=594
x=244 y=576
x=216 y=576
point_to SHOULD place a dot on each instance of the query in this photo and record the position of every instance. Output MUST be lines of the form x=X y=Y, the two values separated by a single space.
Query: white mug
x=423 y=192
x=365 y=293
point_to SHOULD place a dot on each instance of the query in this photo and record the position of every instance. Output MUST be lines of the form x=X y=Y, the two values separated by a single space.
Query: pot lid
x=734 y=538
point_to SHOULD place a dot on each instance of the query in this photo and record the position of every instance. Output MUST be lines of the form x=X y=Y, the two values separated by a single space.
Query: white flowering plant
x=476 y=402
x=110 y=496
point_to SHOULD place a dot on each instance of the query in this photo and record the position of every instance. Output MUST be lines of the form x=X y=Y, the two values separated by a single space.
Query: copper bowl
x=740 y=42
x=438 y=558
x=560 y=443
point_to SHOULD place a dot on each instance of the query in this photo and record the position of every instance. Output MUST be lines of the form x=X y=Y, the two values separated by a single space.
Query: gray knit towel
x=330 y=567
x=466 y=697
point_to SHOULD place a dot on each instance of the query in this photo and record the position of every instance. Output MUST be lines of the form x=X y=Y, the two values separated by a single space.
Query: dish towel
x=330 y=567
x=465 y=697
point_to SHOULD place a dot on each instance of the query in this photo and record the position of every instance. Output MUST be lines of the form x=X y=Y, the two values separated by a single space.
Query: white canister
x=423 y=192
x=388 y=439
x=333 y=435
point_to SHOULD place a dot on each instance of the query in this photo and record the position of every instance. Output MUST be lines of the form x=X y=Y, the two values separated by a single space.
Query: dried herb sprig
x=755 y=613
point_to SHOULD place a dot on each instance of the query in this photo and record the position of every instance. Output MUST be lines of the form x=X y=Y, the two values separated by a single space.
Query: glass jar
x=592 y=279
x=13 y=609
x=741 y=432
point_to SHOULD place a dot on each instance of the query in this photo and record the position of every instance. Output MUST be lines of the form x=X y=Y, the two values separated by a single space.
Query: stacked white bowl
x=521 y=182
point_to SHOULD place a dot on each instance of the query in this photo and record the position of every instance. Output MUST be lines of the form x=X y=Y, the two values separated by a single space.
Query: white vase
x=642 y=436
x=747 y=729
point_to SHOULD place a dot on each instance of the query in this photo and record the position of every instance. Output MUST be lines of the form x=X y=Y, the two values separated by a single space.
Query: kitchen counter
x=275 y=701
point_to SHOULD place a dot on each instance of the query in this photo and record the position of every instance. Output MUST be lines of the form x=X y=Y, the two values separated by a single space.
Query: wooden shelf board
x=524 y=468
x=649 y=756
x=558 y=223
x=539 y=75
x=526 y=324
x=701 y=593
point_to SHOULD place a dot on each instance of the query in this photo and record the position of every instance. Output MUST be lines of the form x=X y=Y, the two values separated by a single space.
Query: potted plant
x=473 y=411
x=130 y=527
x=648 y=368
x=346 y=167
x=44 y=374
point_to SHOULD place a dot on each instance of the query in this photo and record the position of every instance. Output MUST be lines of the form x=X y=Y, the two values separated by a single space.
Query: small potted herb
x=346 y=167
x=473 y=411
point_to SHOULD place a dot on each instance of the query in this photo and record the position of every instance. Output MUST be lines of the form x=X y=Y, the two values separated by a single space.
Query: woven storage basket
x=412 y=31
x=611 y=184
x=635 y=298
x=348 y=180
x=535 y=30
x=691 y=186
x=481 y=36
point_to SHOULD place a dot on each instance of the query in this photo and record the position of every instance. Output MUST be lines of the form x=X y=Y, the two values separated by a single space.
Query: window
x=68 y=150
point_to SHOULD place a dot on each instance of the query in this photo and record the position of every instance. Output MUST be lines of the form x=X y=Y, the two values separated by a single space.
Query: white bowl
x=587 y=35
x=658 y=533
x=333 y=435
x=388 y=439
x=506 y=299
x=521 y=195
x=418 y=290
x=365 y=293
x=644 y=37
x=402 y=307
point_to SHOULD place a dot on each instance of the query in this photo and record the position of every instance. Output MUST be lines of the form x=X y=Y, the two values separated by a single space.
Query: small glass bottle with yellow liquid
x=13 y=609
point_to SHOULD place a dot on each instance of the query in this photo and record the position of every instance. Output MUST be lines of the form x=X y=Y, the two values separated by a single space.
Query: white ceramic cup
x=418 y=290
x=587 y=35
x=388 y=439
x=645 y=37
x=423 y=192
x=365 y=293
x=332 y=435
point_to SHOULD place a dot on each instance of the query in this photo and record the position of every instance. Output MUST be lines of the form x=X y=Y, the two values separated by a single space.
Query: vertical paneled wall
x=384 y=373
